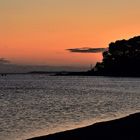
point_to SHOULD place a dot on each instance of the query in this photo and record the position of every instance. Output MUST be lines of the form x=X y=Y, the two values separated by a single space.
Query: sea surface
x=34 y=105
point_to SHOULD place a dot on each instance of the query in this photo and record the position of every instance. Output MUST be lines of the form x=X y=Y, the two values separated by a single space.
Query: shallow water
x=33 y=105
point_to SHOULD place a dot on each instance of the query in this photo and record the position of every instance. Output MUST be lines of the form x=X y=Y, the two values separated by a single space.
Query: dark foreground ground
x=127 y=128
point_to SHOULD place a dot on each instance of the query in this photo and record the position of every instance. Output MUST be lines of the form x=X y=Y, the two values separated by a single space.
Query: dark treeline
x=122 y=58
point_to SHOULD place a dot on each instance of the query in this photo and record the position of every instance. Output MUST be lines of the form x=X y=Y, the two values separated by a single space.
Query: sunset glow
x=40 y=31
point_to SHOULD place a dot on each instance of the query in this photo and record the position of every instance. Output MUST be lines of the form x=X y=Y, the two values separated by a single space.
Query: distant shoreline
x=67 y=73
x=126 y=128
x=95 y=74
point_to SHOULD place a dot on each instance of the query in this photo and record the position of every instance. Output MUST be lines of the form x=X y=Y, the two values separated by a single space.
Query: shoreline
x=126 y=128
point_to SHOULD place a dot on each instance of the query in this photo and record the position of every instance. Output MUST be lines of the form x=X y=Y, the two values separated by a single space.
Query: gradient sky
x=40 y=31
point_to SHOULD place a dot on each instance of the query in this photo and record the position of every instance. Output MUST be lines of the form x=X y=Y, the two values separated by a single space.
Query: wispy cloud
x=4 y=61
x=86 y=50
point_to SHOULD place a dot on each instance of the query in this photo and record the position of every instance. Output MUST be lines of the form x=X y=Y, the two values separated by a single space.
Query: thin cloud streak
x=4 y=61
x=86 y=50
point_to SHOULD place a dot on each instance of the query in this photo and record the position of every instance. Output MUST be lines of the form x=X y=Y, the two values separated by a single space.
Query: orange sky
x=40 y=31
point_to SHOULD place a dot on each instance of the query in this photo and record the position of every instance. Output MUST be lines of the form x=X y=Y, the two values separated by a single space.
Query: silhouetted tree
x=121 y=58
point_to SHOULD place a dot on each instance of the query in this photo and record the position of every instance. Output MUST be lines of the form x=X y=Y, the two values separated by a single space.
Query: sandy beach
x=126 y=128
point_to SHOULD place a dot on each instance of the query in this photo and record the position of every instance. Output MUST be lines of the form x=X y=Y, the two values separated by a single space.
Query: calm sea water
x=33 y=105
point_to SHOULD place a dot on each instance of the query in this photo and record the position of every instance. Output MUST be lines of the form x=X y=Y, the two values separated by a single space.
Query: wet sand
x=127 y=128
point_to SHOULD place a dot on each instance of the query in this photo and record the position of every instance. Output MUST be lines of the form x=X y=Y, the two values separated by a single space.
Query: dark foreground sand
x=127 y=128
